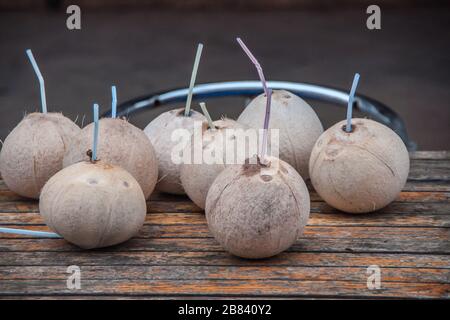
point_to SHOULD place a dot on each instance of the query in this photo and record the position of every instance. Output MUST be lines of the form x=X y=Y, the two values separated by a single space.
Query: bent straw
x=266 y=122
x=94 y=146
x=351 y=99
x=40 y=78
x=208 y=117
x=267 y=91
x=114 y=102
x=255 y=62
x=198 y=55
x=30 y=233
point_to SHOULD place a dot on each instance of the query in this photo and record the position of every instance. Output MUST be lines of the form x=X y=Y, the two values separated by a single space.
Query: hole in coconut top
x=286 y=96
x=352 y=128
x=126 y=184
x=266 y=178
x=180 y=112
x=92 y=181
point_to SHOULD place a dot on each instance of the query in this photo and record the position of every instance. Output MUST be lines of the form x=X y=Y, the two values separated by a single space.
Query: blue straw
x=94 y=147
x=40 y=78
x=30 y=233
x=114 y=102
x=351 y=99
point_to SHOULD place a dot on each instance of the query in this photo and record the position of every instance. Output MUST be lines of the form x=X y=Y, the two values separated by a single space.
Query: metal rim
x=377 y=110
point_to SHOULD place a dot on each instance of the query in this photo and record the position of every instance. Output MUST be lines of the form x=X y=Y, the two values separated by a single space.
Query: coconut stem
x=208 y=117
x=198 y=55
x=40 y=78
x=268 y=92
x=30 y=232
x=114 y=102
x=351 y=99
x=94 y=145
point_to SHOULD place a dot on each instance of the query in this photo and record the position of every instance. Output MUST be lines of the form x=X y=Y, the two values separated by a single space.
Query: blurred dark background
x=149 y=46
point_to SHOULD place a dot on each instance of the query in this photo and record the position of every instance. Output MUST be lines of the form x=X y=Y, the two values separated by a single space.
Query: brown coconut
x=120 y=144
x=93 y=205
x=298 y=124
x=197 y=178
x=159 y=131
x=257 y=211
x=360 y=171
x=34 y=151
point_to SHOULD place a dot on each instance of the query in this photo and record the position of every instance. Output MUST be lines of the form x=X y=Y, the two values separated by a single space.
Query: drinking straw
x=94 y=146
x=40 y=78
x=351 y=99
x=193 y=76
x=30 y=233
x=208 y=117
x=114 y=102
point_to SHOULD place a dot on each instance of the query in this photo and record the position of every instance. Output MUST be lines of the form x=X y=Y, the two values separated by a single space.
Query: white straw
x=40 y=78
x=351 y=99
x=193 y=77
x=208 y=117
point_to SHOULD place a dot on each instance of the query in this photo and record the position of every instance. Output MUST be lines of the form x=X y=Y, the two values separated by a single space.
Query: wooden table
x=174 y=255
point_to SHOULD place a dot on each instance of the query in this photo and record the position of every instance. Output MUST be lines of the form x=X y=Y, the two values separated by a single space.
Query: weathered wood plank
x=405 y=196
x=317 y=239
x=359 y=274
x=418 y=219
x=307 y=259
x=228 y=287
x=187 y=206
x=436 y=155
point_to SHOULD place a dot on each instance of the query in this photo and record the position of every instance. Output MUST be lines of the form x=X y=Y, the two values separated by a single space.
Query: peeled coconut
x=359 y=171
x=34 y=150
x=197 y=178
x=257 y=211
x=93 y=204
x=160 y=131
x=298 y=124
x=120 y=144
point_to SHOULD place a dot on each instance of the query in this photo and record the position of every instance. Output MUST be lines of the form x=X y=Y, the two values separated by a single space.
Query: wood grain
x=175 y=256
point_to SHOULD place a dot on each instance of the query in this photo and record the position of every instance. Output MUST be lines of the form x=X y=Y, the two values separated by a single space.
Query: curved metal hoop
x=369 y=106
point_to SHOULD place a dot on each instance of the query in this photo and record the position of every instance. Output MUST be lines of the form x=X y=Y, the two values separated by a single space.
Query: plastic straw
x=30 y=233
x=40 y=78
x=208 y=117
x=187 y=109
x=94 y=146
x=268 y=93
x=351 y=99
x=114 y=102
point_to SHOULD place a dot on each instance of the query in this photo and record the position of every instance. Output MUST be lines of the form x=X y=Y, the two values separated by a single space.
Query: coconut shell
x=93 y=205
x=197 y=178
x=360 y=171
x=298 y=124
x=160 y=132
x=255 y=211
x=34 y=150
x=120 y=144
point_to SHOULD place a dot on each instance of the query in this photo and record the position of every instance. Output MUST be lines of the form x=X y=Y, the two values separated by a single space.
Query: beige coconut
x=120 y=144
x=217 y=143
x=34 y=151
x=160 y=131
x=360 y=171
x=298 y=124
x=255 y=211
x=93 y=205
